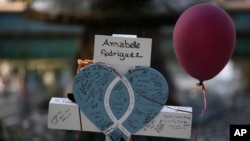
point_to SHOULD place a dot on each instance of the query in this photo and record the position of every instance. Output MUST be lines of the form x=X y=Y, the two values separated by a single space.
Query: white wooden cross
x=170 y=122
x=66 y=115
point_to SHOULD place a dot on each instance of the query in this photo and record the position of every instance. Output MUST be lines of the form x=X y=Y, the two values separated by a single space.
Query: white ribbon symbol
x=118 y=122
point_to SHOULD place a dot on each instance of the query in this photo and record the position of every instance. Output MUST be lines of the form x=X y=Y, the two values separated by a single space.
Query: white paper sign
x=122 y=51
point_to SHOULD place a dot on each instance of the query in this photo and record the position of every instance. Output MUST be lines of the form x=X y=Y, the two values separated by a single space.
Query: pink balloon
x=204 y=40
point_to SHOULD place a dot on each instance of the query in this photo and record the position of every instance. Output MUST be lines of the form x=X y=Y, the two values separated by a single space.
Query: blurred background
x=40 y=41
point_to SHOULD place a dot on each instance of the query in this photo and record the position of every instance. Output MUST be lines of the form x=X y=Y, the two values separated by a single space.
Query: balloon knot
x=199 y=84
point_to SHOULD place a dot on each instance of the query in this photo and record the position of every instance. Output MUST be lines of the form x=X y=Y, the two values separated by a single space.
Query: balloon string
x=200 y=112
x=203 y=110
x=204 y=97
x=204 y=102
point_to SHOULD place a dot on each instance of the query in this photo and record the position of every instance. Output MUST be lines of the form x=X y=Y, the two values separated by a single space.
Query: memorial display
x=120 y=95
